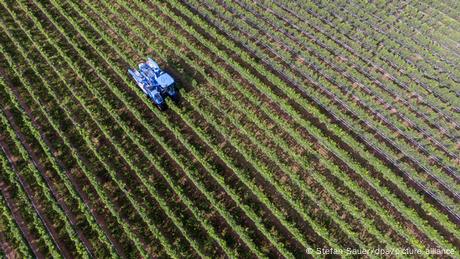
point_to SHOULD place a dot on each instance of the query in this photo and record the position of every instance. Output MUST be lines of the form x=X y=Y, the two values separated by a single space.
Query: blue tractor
x=154 y=82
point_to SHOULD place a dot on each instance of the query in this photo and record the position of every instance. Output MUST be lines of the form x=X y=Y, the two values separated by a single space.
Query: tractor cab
x=167 y=85
x=163 y=79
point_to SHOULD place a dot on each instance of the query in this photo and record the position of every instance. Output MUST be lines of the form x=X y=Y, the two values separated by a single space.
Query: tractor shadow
x=184 y=75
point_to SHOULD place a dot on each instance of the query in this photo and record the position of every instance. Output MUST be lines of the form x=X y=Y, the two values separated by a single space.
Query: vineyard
x=304 y=128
